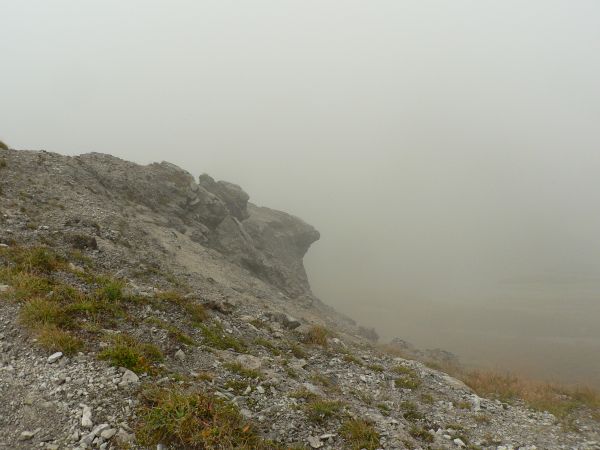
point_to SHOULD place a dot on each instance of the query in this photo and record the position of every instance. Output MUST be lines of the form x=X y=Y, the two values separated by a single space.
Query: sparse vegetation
x=54 y=339
x=238 y=368
x=410 y=411
x=195 y=421
x=215 y=336
x=360 y=434
x=420 y=433
x=559 y=400
x=320 y=410
x=128 y=352
x=317 y=335
x=408 y=378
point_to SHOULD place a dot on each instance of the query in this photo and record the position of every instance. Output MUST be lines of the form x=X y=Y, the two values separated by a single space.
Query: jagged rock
x=180 y=355
x=285 y=320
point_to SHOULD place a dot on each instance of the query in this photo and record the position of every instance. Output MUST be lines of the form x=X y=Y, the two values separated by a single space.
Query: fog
x=448 y=151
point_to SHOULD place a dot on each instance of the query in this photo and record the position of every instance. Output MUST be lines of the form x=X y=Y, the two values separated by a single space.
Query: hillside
x=143 y=308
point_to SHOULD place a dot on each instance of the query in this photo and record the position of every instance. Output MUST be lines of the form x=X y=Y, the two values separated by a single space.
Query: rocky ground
x=152 y=282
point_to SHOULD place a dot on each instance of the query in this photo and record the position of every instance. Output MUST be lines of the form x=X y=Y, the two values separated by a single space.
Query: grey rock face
x=269 y=244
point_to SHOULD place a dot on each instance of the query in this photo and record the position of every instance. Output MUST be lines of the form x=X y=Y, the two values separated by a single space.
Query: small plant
x=408 y=379
x=384 y=408
x=3 y=146
x=420 y=433
x=427 y=398
x=304 y=394
x=350 y=358
x=216 y=337
x=410 y=411
x=54 y=339
x=196 y=312
x=127 y=352
x=317 y=335
x=238 y=368
x=360 y=434
x=195 y=421
x=375 y=367
x=319 y=410
x=298 y=351
x=39 y=312
x=2 y=160
x=111 y=291
x=268 y=345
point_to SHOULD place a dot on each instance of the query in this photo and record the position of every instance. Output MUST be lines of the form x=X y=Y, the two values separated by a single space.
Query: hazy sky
x=444 y=149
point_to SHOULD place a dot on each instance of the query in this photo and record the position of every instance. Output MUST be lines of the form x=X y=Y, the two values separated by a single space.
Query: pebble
x=86 y=417
x=180 y=355
x=54 y=357
x=26 y=436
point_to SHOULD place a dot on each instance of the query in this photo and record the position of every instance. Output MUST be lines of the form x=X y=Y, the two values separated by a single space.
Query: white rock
x=128 y=378
x=314 y=442
x=26 y=435
x=459 y=442
x=54 y=357
x=260 y=389
x=109 y=433
x=4 y=287
x=180 y=355
x=86 y=417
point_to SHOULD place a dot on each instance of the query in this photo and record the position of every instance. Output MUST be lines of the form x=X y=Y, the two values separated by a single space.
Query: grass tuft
x=136 y=356
x=320 y=410
x=195 y=421
x=54 y=339
x=216 y=337
x=317 y=335
x=360 y=434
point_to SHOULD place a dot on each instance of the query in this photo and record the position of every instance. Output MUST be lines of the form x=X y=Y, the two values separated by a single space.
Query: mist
x=446 y=151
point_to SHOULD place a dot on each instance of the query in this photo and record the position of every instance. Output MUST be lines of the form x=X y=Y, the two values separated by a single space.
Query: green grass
x=39 y=312
x=111 y=291
x=54 y=339
x=410 y=411
x=350 y=358
x=126 y=351
x=360 y=434
x=268 y=345
x=195 y=311
x=409 y=379
x=195 y=421
x=420 y=434
x=216 y=337
x=238 y=368
x=319 y=410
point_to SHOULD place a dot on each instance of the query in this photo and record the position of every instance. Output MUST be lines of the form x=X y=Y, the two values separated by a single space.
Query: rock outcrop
x=270 y=244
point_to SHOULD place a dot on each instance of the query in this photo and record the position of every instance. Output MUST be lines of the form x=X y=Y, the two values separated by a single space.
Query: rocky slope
x=126 y=290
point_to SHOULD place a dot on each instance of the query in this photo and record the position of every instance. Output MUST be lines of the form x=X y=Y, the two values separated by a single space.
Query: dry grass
x=54 y=339
x=317 y=335
x=559 y=400
x=360 y=434
x=195 y=421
